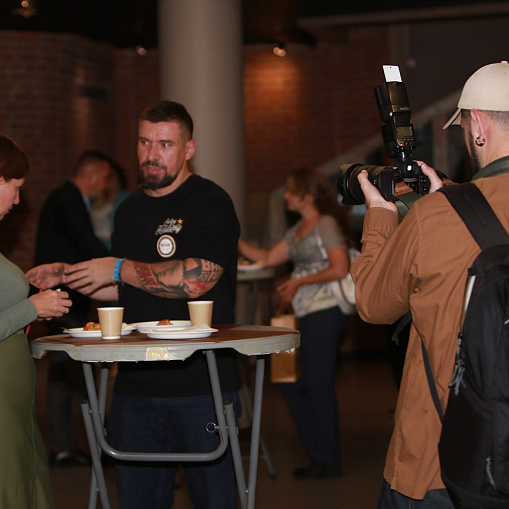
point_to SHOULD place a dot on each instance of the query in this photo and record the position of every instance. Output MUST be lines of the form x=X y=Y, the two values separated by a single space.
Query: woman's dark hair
x=311 y=181
x=13 y=161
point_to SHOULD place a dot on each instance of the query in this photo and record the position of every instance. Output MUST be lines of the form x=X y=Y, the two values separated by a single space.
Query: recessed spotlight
x=279 y=51
x=27 y=9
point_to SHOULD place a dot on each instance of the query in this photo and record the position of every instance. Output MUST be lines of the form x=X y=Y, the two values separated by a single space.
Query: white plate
x=78 y=332
x=181 y=334
x=251 y=266
x=175 y=324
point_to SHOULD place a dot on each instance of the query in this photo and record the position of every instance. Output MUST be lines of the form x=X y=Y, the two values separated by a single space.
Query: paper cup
x=200 y=311
x=111 y=322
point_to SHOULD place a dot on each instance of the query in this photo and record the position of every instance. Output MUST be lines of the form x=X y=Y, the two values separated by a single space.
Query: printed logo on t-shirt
x=170 y=226
x=166 y=246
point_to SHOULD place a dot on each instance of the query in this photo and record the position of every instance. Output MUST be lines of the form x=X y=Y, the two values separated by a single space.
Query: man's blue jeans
x=435 y=499
x=145 y=424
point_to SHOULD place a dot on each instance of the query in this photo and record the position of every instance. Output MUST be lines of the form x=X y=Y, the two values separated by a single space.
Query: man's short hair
x=169 y=111
x=501 y=118
x=87 y=157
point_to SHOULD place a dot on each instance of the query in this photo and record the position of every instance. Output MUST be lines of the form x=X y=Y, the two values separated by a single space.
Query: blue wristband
x=118 y=266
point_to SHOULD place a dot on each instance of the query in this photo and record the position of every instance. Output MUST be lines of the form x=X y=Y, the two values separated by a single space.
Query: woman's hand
x=288 y=289
x=51 y=304
x=48 y=275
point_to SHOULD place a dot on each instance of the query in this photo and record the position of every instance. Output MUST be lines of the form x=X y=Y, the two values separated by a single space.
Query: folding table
x=248 y=340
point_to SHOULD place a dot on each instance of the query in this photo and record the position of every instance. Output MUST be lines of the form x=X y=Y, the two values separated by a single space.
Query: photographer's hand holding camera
x=374 y=198
x=420 y=265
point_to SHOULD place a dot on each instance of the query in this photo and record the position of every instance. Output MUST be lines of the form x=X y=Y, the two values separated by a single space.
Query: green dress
x=24 y=473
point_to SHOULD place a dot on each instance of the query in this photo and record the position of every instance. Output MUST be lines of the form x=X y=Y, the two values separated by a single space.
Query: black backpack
x=474 y=443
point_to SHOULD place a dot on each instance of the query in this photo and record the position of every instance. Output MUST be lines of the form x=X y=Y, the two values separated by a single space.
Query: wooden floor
x=366 y=394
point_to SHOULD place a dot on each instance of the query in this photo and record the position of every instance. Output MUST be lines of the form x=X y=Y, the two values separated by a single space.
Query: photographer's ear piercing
x=480 y=143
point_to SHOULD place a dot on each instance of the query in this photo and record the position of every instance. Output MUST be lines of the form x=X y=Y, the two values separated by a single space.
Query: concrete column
x=200 y=62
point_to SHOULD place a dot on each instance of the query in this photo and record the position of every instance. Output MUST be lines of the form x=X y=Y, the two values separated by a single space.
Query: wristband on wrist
x=118 y=267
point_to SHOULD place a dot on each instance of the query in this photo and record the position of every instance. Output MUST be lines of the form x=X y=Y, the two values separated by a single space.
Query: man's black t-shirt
x=197 y=220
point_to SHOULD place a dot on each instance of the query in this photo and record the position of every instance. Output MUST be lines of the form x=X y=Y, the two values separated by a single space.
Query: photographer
x=420 y=265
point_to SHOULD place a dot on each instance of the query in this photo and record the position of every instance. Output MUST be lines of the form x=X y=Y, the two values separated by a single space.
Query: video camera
x=404 y=175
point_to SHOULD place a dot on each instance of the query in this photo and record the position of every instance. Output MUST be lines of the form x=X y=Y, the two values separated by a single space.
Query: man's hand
x=375 y=199
x=46 y=276
x=87 y=277
x=372 y=194
x=434 y=179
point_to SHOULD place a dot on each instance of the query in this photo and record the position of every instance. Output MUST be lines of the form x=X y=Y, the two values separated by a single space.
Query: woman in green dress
x=24 y=473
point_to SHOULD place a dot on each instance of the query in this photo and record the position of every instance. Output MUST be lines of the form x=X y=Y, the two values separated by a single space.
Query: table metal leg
x=248 y=401
x=236 y=455
x=231 y=426
x=93 y=416
x=245 y=387
x=255 y=432
x=97 y=481
x=146 y=456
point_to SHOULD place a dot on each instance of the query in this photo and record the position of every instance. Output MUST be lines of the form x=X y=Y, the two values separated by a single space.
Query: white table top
x=245 y=339
x=254 y=273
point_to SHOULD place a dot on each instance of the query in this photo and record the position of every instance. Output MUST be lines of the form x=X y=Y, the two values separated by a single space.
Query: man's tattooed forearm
x=177 y=279
x=144 y=275
x=203 y=272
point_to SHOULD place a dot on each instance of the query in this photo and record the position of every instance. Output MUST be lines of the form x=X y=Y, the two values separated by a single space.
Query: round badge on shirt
x=166 y=246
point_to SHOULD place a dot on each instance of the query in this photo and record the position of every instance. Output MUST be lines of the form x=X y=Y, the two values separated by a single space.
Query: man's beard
x=155 y=182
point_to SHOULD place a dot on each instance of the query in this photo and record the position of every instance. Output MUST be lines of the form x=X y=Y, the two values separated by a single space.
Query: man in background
x=65 y=233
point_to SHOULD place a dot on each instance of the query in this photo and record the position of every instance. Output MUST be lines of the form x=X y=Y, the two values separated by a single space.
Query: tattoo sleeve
x=178 y=279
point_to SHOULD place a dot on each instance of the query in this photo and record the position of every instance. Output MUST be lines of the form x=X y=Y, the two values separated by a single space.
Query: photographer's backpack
x=474 y=444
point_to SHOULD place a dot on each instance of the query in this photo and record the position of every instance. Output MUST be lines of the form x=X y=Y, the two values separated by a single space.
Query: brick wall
x=136 y=86
x=303 y=109
x=63 y=94
x=57 y=100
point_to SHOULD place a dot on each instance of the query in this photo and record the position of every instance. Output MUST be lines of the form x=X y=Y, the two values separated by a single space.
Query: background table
x=136 y=347
x=254 y=276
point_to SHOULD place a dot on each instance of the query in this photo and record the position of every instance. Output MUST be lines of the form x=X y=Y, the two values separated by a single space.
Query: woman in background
x=24 y=474
x=318 y=247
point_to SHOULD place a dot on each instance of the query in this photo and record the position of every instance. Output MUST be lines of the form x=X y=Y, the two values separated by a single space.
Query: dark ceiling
x=128 y=23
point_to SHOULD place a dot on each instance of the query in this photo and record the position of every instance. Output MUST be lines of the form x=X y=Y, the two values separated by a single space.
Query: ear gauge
x=479 y=142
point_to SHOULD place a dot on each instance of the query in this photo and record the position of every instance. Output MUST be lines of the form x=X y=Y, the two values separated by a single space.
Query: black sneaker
x=69 y=458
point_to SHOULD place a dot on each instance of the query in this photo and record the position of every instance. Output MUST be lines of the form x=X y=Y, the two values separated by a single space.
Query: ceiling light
x=279 y=50
x=26 y=9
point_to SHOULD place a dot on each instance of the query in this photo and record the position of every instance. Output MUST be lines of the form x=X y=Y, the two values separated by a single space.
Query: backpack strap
x=475 y=211
x=431 y=382
x=478 y=216
x=402 y=323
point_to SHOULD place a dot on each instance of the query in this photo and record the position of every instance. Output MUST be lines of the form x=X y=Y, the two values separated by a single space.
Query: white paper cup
x=111 y=322
x=200 y=311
